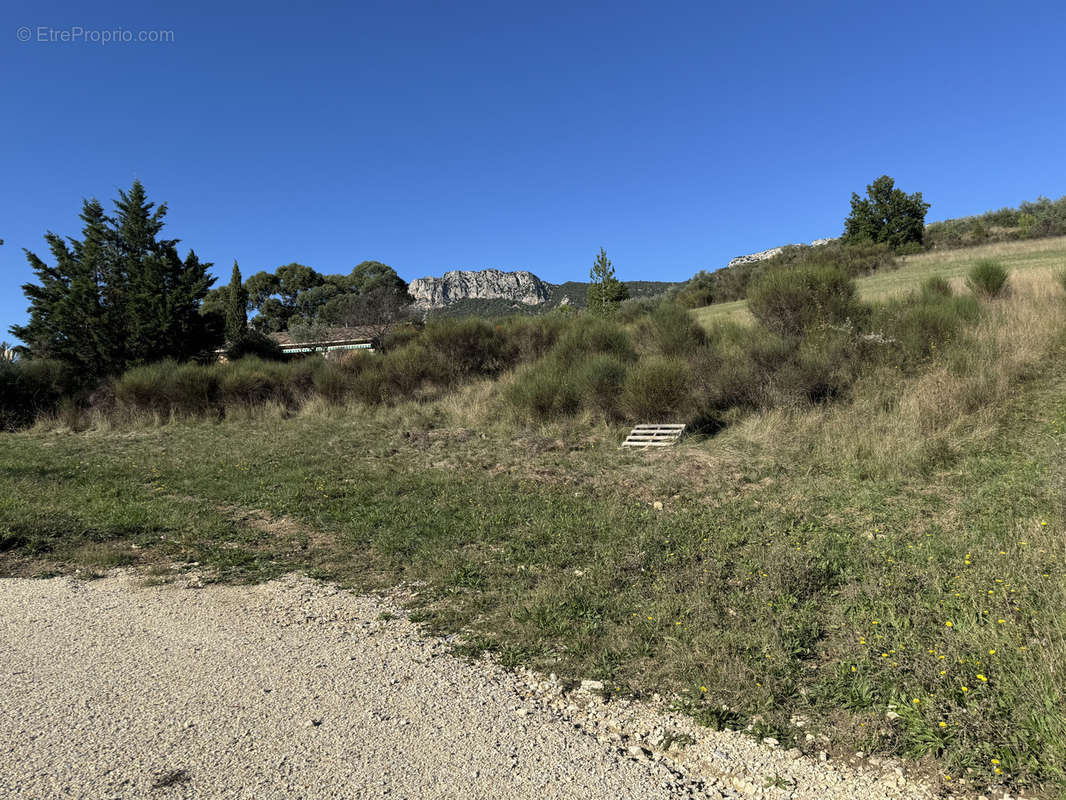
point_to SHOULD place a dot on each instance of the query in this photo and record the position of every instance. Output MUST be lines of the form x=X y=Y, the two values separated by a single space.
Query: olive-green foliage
x=988 y=277
x=30 y=388
x=673 y=331
x=465 y=347
x=589 y=335
x=544 y=390
x=1030 y=220
x=657 y=390
x=913 y=328
x=251 y=342
x=398 y=337
x=855 y=258
x=700 y=290
x=531 y=338
x=791 y=301
x=167 y=389
x=822 y=368
x=936 y=286
x=600 y=381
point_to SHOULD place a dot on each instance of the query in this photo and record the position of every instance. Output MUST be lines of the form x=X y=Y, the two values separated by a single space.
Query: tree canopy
x=120 y=296
x=296 y=296
x=886 y=215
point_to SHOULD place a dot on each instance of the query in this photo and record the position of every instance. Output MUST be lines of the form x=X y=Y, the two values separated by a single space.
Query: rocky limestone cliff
x=483 y=284
x=765 y=254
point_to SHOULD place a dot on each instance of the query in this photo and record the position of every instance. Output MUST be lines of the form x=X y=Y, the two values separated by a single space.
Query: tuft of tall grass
x=988 y=278
x=936 y=286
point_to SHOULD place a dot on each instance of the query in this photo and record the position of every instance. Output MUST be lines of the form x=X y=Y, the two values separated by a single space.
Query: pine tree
x=236 y=307
x=605 y=291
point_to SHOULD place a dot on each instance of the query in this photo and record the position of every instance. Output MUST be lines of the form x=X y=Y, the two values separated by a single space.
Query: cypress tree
x=236 y=306
x=119 y=297
x=67 y=320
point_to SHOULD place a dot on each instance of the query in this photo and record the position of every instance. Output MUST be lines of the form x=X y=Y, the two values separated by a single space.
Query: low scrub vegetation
x=649 y=361
x=1031 y=220
x=988 y=277
x=854 y=259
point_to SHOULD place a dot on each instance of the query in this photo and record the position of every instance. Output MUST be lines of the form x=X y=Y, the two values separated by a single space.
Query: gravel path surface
x=113 y=689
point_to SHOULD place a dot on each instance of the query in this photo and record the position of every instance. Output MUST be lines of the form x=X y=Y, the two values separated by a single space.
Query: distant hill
x=493 y=293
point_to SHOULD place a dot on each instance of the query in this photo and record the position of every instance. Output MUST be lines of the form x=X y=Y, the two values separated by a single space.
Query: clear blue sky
x=433 y=136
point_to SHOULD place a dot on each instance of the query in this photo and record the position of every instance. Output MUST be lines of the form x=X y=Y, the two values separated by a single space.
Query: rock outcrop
x=773 y=251
x=483 y=284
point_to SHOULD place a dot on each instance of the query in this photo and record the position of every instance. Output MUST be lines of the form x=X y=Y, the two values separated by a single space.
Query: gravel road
x=294 y=689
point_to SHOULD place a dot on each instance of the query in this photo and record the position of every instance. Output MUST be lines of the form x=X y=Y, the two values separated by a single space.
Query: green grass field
x=900 y=551
x=1019 y=257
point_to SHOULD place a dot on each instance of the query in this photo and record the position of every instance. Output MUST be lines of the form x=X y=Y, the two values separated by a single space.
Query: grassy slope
x=953 y=264
x=803 y=564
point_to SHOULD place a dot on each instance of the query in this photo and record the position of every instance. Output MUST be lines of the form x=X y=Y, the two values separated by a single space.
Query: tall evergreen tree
x=119 y=297
x=605 y=290
x=236 y=306
x=67 y=319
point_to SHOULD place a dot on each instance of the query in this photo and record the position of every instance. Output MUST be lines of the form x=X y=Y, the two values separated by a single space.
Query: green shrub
x=192 y=390
x=935 y=287
x=144 y=388
x=600 y=381
x=249 y=382
x=700 y=290
x=916 y=327
x=988 y=277
x=629 y=311
x=674 y=331
x=406 y=370
x=544 y=390
x=532 y=337
x=791 y=301
x=657 y=390
x=30 y=388
x=296 y=379
x=167 y=388
x=370 y=386
x=821 y=369
x=254 y=343
x=467 y=347
x=589 y=335
x=398 y=337
x=332 y=383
